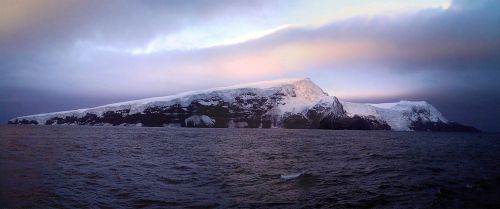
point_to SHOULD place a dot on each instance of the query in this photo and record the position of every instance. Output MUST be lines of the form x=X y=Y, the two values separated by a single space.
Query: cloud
x=33 y=24
x=88 y=52
x=83 y=48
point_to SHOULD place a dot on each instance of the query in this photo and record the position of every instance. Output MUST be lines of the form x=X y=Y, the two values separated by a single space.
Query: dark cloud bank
x=460 y=47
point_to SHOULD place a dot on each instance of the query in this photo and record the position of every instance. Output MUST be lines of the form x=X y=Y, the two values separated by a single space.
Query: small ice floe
x=292 y=175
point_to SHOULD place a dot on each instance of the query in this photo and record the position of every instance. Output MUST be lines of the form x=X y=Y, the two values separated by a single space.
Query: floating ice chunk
x=292 y=175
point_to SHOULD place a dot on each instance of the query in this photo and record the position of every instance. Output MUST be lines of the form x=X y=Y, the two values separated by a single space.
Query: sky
x=67 y=54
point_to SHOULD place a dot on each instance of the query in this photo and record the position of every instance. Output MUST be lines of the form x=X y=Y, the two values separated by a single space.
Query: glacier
x=287 y=103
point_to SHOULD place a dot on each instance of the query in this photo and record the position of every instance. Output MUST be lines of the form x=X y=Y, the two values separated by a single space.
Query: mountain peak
x=301 y=87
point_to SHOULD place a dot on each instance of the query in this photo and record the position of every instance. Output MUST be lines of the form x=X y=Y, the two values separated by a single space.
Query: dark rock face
x=295 y=121
x=441 y=126
x=24 y=121
x=254 y=110
x=420 y=113
x=298 y=121
x=354 y=123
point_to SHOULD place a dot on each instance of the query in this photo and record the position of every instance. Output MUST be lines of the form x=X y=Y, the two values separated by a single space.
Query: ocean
x=139 y=167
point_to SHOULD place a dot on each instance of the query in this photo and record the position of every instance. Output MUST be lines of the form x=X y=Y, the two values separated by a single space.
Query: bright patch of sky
x=198 y=38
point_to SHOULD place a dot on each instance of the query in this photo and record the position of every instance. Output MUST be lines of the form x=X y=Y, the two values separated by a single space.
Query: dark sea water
x=121 y=167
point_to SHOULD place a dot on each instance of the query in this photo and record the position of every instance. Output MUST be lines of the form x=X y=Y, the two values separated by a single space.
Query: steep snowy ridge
x=290 y=103
x=398 y=115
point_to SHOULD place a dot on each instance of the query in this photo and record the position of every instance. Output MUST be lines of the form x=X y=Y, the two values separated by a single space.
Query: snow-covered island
x=291 y=103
